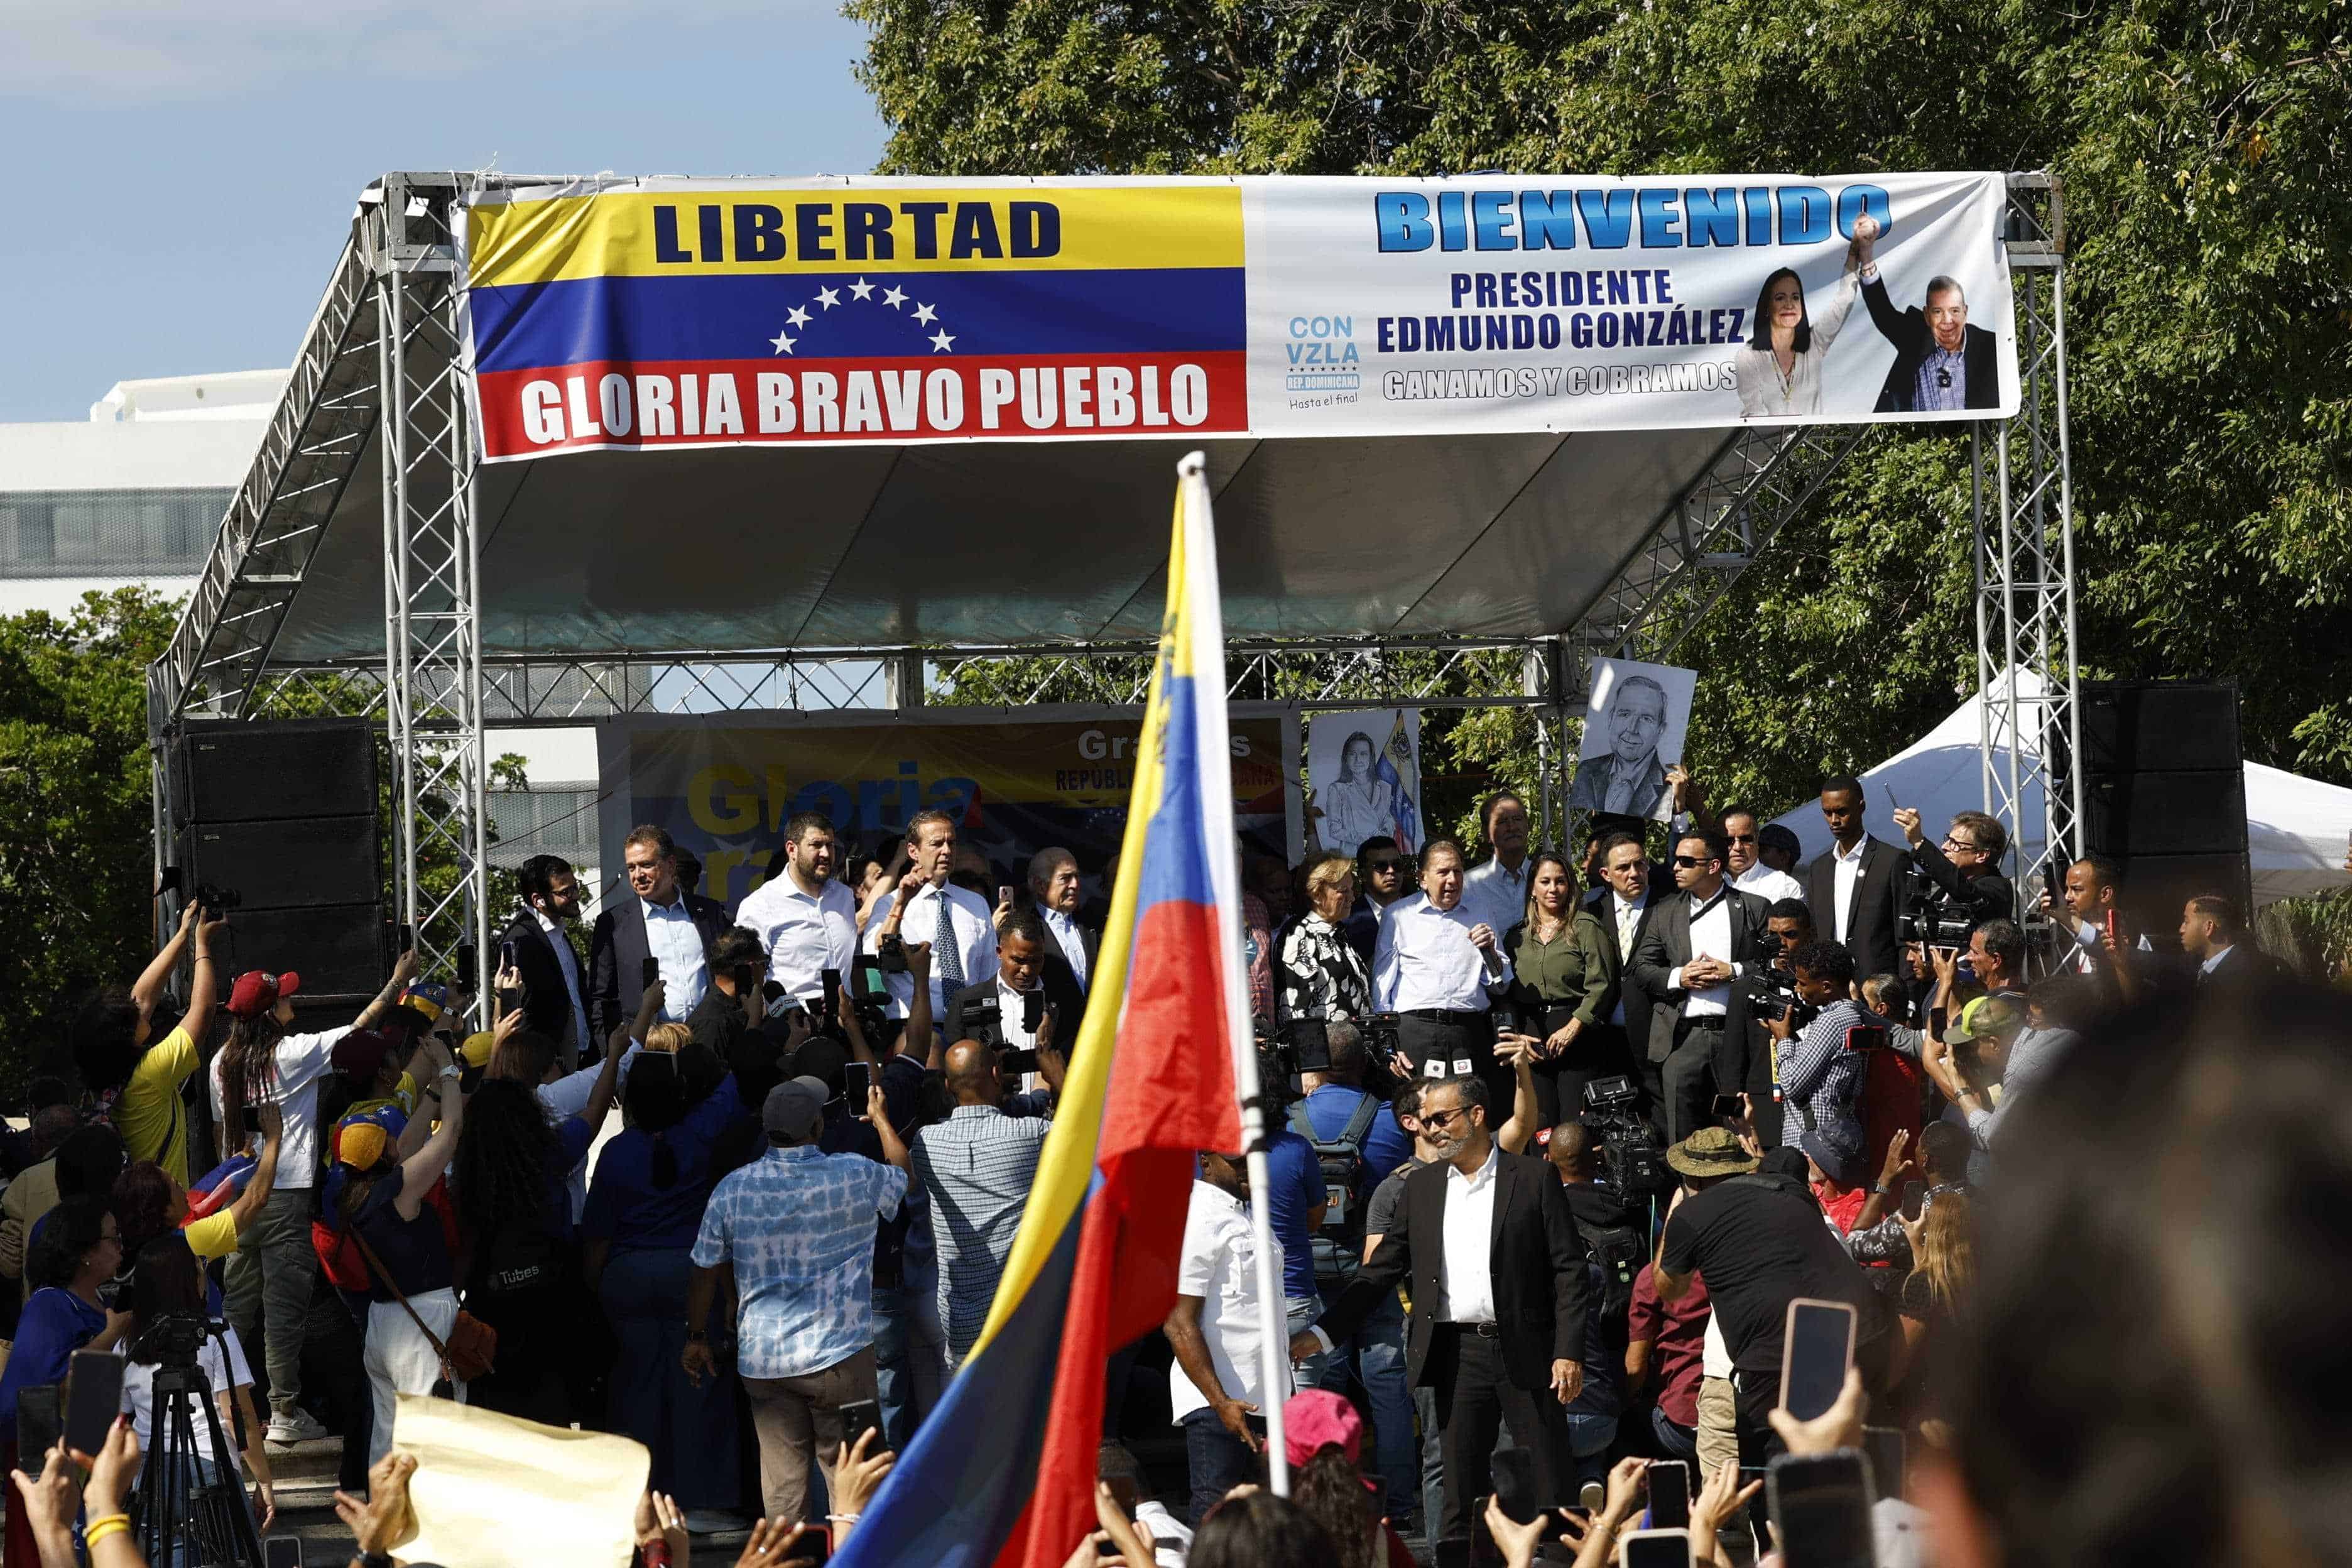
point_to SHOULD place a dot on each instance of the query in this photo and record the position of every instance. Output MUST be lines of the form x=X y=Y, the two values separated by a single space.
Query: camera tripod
x=191 y=1511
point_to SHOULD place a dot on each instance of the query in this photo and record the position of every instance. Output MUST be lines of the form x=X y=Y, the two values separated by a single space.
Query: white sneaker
x=288 y=1427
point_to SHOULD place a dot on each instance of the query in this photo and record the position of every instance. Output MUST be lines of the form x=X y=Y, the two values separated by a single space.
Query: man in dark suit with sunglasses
x=1692 y=959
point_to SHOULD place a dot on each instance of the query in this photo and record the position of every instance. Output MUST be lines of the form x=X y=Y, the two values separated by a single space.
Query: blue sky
x=186 y=174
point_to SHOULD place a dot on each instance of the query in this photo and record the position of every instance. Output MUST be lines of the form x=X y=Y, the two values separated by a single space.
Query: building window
x=108 y=533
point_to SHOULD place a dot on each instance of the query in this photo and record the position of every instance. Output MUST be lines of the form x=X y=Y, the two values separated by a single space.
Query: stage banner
x=724 y=788
x=610 y=313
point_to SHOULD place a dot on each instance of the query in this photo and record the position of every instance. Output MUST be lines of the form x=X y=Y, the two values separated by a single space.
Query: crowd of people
x=1560 y=1141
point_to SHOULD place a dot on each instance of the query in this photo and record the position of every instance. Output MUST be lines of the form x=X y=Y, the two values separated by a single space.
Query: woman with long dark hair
x=521 y=1272
x=78 y=1250
x=1565 y=981
x=645 y=1209
x=148 y=1204
x=269 y=1279
x=1780 y=370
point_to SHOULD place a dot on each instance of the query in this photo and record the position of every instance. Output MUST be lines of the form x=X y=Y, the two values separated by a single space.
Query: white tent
x=2296 y=826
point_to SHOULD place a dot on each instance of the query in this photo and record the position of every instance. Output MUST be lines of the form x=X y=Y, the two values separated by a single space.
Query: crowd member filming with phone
x=1760 y=1242
x=137 y=1077
x=975 y=1170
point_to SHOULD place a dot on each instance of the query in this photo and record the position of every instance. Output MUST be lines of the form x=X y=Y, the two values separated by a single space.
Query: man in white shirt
x=1216 y=1386
x=1742 y=832
x=1434 y=965
x=958 y=924
x=1054 y=883
x=807 y=920
x=1496 y=890
x=660 y=923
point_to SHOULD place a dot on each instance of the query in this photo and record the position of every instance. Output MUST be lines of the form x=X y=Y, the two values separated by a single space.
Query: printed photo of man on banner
x=1633 y=726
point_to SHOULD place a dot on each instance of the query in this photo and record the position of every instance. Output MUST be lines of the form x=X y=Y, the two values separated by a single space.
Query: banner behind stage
x=725 y=788
x=630 y=314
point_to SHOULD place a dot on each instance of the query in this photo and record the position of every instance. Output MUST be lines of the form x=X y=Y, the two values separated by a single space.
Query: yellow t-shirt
x=153 y=1121
x=214 y=1235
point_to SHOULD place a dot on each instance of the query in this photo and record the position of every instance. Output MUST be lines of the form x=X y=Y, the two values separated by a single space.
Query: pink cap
x=1315 y=1416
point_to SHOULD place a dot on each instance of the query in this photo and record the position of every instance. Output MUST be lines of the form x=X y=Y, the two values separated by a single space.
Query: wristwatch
x=695 y=1336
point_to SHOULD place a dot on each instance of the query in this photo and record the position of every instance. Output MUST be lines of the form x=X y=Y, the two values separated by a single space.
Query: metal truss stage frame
x=380 y=367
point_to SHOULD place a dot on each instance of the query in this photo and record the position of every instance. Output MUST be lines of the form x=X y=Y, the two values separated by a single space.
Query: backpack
x=1340 y=1244
x=1617 y=1253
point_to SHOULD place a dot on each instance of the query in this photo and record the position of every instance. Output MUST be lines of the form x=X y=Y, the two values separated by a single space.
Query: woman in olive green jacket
x=1566 y=975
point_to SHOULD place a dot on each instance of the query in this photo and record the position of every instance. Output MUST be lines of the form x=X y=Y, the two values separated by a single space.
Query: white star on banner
x=861 y=288
x=925 y=314
x=800 y=316
x=895 y=297
x=940 y=342
x=828 y=297
x=797 y=316
x=784 y=344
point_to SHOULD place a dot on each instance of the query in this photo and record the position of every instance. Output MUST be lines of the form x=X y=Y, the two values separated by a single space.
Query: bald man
x=975 y=1170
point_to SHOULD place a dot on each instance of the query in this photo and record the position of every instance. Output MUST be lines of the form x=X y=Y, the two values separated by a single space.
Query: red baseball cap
x=256 y=992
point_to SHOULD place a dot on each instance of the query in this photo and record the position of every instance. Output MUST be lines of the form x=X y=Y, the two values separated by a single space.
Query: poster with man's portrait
x=1364 y=770
x=1634 y=723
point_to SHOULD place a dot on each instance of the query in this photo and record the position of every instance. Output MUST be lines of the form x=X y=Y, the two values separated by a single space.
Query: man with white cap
x=797 y=1226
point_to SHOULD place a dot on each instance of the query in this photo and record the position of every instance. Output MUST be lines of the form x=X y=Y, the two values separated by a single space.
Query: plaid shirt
x=1823 y=1079
x=798 y=1226
x=976 y=1169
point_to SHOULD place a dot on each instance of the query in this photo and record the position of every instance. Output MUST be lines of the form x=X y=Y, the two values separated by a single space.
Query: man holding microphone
x=1437 y=966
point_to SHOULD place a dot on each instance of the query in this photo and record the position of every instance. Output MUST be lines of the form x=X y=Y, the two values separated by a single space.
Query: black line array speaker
x=285 y=813
x=2164 y=793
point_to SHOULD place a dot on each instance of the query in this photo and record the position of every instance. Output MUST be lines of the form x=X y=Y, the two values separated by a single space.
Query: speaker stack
x=2164 y=793
x=285 y=814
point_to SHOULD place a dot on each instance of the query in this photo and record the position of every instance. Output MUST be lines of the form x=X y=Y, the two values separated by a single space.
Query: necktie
x=1626 y=917
x=947 y=954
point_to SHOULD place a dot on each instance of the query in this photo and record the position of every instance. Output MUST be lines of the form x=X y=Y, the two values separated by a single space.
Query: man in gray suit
x=1693 y=958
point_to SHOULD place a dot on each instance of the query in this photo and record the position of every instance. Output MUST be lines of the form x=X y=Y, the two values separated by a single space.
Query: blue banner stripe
x=1174 y=868
x=654 y=320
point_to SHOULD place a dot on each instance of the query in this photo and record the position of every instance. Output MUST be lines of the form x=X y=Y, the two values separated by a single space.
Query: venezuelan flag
x=1002 y=1471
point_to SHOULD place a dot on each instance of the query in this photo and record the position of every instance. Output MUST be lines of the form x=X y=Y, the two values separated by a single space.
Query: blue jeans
x=690 y=1431
x=910 y=1352
x=1376 y=1354
x=1217 y=1460
x=1588 y=1437
x=1680 y=1441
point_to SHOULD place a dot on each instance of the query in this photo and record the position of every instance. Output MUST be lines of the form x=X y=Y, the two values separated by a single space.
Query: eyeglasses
x=1739 y=838
x=1687 y=863
x=1951 y=843
x=1437 y=1121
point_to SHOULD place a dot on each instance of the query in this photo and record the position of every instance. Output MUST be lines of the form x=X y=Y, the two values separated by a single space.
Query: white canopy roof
x=2296 y=826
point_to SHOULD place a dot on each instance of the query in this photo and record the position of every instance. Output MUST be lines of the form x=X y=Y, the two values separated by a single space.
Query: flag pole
x=1204 y=630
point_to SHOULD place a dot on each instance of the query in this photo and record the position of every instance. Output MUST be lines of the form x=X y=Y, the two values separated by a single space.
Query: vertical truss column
x=433 y=663
x=2023 y=490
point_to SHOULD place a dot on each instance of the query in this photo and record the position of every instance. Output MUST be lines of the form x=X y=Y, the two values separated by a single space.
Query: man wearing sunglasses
x=1690 y=959
x=1743 y=836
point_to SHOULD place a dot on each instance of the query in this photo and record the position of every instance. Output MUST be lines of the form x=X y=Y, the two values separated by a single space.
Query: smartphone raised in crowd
x=1915 y=1198
x=1032 y=1010
x=831 y=980
x=1723 y=1107
x=1815 y=1351
x=858 y=1081
x=93 y=1398
x=1889 y=1452
x=650 y=971
x=1515 y=1486
x=1669 y=1488
x=1820 y=1505
x=282 y=1551
x=860 y=1416
x=466 y=968
x=1655 y=1548
x=40 y=1422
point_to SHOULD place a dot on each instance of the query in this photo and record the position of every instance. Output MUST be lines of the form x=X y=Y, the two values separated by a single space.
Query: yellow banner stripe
x=876 y=230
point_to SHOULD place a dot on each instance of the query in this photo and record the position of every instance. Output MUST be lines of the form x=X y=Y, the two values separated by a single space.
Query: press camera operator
x=1964 y=874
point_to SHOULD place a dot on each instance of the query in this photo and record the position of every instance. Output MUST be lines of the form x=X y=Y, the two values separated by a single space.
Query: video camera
x=1930 y=916
x=1632 y=1161
x=215 y=900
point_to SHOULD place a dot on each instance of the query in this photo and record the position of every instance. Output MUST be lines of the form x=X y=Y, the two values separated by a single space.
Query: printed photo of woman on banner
x=1363 y=773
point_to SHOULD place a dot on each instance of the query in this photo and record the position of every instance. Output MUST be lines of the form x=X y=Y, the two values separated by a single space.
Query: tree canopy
x=2208 y=316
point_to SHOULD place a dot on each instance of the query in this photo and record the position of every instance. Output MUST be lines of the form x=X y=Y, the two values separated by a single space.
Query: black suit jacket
x=1061 y=989
x=546 y=1000
x=1907 y=331
x=1536 y=1260
x=1089 y=943
x=1874 y=931
x=1666 y=947
x=1637 y=998
x=617 y=953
